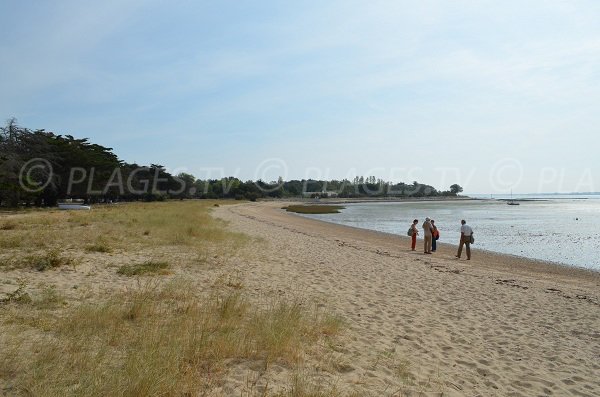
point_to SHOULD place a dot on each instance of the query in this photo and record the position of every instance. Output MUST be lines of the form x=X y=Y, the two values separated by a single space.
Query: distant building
x=323 y=194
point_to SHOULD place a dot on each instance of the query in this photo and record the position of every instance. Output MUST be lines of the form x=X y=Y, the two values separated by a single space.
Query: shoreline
x=548 y=259
x=496 y=325
x=537 y=265
x=534 y=261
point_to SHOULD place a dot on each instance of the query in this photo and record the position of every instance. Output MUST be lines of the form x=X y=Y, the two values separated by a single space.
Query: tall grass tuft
x=101 y=246
x=48 y=260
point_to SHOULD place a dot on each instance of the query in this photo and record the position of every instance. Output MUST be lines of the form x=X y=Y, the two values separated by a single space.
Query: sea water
x=561 y=230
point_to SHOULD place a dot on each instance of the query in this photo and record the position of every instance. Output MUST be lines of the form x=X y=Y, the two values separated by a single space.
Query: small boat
x=73 y=205
x=511 y=201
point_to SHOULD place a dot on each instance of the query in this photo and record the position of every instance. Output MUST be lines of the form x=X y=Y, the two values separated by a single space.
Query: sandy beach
x=431 y=324
x=411 y=324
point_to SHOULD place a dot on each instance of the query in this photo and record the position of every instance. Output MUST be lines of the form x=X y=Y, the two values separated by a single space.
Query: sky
x=492 y=95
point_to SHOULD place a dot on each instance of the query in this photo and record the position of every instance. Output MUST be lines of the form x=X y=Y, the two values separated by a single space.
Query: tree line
x=40 y=168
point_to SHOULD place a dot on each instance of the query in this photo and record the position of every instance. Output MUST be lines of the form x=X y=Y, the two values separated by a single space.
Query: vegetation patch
x=100 y=246
x=10 y=242
x=160 y=341
x=314 y=209
x=148 y=267
x=48 y=260
x=49 y=298
x=8 y=226
x=160 y=336
x=19 y=295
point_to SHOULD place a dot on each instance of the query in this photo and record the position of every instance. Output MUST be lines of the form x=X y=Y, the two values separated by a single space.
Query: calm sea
x=563 y=230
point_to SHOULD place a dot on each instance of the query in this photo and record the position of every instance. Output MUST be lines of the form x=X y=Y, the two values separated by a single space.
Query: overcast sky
x=492 y=95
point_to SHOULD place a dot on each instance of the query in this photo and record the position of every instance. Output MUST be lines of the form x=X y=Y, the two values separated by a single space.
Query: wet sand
x=494 y=326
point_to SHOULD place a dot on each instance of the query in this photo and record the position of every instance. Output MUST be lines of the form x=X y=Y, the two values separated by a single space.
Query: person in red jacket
x=415 y=232
x=435 y=235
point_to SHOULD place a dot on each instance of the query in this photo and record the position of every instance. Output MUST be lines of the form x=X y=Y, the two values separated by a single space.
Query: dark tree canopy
x=455 y=189
x=40 y=168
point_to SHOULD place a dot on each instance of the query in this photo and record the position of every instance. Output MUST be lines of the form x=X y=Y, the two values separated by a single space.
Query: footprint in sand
x=444 y=269
x=510 y=283
x=398 y=339
x=466 y=363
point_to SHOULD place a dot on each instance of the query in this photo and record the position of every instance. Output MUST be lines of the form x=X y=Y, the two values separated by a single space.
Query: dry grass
x=49 y=260
x=101 y=246
x=148 y=267
x=119 y=227
x=8 y=225
x=19 y=295
x=9 y=242
x=42 y=261
x=169 y=336
x=160 y=340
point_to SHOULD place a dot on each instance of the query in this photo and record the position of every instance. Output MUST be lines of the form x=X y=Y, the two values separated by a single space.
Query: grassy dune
x=152 y=328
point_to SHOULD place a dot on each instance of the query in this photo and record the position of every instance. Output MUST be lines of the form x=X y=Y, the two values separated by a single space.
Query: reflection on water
x=558 y=230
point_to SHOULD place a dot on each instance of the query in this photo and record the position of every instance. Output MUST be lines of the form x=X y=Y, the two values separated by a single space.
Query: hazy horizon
x=492 y=96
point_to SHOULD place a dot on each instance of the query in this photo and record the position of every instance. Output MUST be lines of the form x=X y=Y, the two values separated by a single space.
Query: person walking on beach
x=427 y=235
x=465 y=239
x=415 y=232
x=434 y=236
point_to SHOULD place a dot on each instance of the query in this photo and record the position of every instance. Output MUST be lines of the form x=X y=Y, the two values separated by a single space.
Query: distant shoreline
x=337 y=200
x=372 y=200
